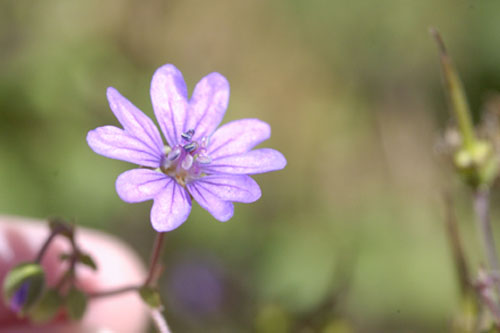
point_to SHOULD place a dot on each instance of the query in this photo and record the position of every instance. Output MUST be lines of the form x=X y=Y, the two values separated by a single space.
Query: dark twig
x=53 y=233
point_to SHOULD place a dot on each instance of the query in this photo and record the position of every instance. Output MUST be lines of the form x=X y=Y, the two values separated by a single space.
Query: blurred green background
x=350 y=236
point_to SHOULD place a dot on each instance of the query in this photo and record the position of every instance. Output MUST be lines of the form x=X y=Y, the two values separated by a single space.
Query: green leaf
x=64 y=256
x=456 y=93
x=48 y=306
x=23 y=286
x=88 y=261
x=76 y=304
x=150 y=296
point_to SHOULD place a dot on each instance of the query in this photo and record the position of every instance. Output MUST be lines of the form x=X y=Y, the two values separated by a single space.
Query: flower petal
x=169 y=98
x=220 y=209
x=255 y=161
x=238 y=137
x=134 y=121
x=208 y=105
x=240 y=188
x=113 y=142
x=171 y=207
x=139 y=185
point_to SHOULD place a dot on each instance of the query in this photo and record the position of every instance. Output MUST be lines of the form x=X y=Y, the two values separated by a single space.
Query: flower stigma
x=184 y=161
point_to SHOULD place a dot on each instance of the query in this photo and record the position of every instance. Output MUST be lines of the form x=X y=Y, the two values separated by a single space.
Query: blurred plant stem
x=57 y=227
x=486 y=293
x=456 y=246
x=482 y=208
x=149 y=284
x=476 y=161
x=469 y=316
x=154 y=267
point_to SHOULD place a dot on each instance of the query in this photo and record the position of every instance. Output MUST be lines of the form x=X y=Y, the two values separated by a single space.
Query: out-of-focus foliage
x=350 y=236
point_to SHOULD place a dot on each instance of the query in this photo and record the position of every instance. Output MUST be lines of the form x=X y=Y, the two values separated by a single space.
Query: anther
x=188 y=135
x=190 y=147
x=174 y=154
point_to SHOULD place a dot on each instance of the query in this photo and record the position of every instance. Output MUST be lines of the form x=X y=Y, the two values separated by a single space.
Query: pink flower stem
x=482 y=210
x=490 y=302
x=152 y=272
x=155 y=256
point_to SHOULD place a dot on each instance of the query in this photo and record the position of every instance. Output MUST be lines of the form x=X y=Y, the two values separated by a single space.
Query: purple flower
x=211 y=166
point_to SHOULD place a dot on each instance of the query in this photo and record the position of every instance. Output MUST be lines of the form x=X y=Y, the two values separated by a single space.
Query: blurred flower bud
x=23 y=286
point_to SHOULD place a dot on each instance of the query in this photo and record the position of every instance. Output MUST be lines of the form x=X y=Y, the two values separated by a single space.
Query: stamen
x=205 y=141
x=190 y=147
x=188 y=135
x=187 y=162
x=204 y=159
x=174 y=154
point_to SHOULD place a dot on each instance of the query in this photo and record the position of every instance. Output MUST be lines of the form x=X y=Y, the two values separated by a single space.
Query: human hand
x=118 y=265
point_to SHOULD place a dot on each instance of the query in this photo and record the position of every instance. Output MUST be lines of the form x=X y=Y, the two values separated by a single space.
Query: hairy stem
x=490 y=303
x=482 y=210
x=155 y=256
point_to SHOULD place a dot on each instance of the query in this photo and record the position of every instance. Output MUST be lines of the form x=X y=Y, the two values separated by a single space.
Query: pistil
x=183 y=161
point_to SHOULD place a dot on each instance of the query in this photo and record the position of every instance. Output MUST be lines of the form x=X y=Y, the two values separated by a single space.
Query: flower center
x=183 y=162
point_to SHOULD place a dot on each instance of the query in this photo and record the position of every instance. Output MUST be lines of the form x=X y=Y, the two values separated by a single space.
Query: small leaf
x=76 y=304
x=23 y=286
x=48 y=306
x=88 y=261
x=150 y=296
x=64 y=256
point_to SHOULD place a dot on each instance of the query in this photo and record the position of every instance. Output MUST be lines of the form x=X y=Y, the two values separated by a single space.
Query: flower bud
x=23 y=286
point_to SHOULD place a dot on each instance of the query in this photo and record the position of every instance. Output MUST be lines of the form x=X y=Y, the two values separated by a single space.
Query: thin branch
x=54 y=232
x=153 y=268
x=155 y=256
x=482 y=210
x=113 y=292
x=483 y=286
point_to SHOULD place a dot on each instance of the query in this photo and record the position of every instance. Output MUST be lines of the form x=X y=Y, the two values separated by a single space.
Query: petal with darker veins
x=171 y=207
x=113 y=142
